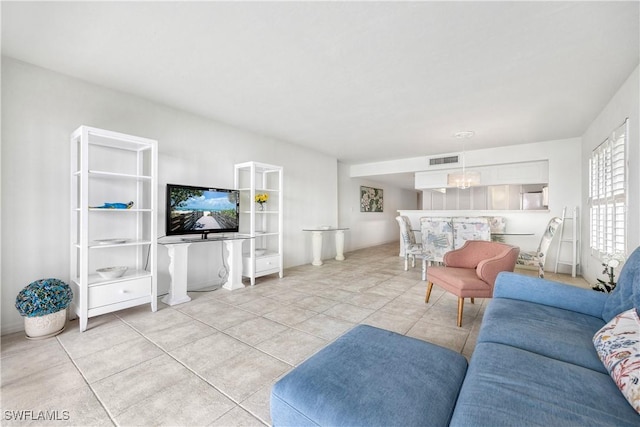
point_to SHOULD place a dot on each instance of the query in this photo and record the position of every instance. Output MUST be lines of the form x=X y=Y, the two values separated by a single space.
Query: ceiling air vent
x=443 y=160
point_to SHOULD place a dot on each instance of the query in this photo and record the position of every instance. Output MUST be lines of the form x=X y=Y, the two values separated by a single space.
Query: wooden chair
x=471 y=271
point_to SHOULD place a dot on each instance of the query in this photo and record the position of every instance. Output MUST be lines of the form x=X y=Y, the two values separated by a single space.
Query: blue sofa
x=534 y=364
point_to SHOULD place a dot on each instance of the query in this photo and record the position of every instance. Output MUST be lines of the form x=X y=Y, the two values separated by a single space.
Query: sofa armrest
x=547 y=292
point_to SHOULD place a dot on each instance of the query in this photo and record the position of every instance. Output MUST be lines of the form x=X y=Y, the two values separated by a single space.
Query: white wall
x=623 y=104
x=41 y=108
x=370 y=228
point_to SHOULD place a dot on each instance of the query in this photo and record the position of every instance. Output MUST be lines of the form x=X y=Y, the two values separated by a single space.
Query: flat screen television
x=201 y=210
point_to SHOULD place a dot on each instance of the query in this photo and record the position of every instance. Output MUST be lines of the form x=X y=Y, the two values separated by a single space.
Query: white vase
x=45 y=326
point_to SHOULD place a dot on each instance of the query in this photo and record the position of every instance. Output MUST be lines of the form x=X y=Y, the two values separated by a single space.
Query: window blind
x=607 y=193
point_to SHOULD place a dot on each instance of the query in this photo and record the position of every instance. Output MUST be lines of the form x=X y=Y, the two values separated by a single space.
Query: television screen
x=201 y=210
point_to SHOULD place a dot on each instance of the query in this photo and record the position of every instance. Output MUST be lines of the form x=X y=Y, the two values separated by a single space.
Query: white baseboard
x=12 y=328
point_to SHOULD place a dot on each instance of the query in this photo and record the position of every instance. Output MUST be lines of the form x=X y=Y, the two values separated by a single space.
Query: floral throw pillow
x=618 y=346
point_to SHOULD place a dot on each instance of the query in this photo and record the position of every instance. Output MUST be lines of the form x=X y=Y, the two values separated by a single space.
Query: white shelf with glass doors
x=113 y=222
x=263 y=254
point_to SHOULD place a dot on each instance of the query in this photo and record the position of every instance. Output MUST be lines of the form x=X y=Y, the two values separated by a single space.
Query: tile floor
x=212 y=361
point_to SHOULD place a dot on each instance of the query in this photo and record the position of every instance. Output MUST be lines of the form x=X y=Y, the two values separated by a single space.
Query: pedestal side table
x=316 y=242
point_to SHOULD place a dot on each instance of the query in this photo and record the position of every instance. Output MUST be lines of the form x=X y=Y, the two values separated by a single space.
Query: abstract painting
x=371 y=199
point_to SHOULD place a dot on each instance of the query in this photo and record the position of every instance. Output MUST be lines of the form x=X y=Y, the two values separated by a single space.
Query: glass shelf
x=95 y=244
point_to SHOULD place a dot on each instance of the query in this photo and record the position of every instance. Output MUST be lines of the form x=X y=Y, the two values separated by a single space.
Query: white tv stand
x=178 y=248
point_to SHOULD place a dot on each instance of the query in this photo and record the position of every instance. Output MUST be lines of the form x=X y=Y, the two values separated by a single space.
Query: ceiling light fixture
x=465 y=179
x=464 y=134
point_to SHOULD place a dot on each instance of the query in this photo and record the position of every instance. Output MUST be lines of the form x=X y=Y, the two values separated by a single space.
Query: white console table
x=316 y=242
x=178 y=261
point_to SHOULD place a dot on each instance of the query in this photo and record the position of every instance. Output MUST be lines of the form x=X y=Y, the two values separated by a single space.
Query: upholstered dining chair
x=470 y=228
x=538 y=257
x=412 y=248
x=437 y=237
x=497 y=224
x=471 y=271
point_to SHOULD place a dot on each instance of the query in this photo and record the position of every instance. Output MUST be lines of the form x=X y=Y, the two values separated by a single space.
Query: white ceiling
x=361 y=81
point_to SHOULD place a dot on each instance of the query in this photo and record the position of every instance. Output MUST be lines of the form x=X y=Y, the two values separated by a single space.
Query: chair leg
x=406 y=262
x=429 y=287
x=473 y=301
x=424 y=269
x=413 y=261
x=460 y=308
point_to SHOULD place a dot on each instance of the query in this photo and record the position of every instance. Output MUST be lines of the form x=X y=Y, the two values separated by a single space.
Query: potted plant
x=43 y=304
x=610 y=263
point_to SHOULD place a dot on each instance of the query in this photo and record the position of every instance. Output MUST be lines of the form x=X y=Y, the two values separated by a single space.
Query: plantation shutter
x=607 y=193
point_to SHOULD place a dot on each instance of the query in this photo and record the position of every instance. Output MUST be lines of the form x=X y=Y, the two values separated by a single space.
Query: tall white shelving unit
x=263 y=254
x=110 y=167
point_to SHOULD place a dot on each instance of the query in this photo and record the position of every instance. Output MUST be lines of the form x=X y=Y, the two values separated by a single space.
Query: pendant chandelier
x=464 y=179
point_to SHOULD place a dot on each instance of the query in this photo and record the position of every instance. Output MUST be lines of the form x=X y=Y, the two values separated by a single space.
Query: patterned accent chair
x=471 y=271
x=411 y=247
x=437 y=237
x=538 y=257
x=470 y=228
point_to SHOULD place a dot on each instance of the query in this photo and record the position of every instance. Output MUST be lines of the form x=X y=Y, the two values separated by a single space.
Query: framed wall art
x=371 y=199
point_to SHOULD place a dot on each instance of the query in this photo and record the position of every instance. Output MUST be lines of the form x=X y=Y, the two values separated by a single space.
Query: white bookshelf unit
x=263 y=254
x=111 y=167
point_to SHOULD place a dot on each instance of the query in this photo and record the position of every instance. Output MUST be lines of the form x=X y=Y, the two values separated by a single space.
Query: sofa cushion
x=371 y=377
x=627 y=293
x=618 y=345
x=508 y=386
x=549 y=331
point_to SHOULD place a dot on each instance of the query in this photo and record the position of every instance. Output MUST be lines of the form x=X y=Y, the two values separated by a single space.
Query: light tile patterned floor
x=212 y=361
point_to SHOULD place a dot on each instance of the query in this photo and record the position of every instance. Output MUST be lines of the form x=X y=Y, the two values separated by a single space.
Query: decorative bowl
x=111 y=272
x=260 y=251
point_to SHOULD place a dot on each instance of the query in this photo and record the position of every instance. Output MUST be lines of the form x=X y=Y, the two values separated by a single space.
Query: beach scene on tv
x=196 y=210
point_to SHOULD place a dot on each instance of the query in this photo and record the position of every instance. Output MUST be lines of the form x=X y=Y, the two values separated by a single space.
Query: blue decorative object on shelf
x=42 y=297
x=115 y=206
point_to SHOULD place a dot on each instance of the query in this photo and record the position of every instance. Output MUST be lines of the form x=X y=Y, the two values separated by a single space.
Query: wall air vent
x=435 y=161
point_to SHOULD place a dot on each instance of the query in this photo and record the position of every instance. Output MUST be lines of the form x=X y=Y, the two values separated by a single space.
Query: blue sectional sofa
x=534 y=364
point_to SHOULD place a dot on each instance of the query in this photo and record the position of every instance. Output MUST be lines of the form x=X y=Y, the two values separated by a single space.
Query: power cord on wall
x=223 y=273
